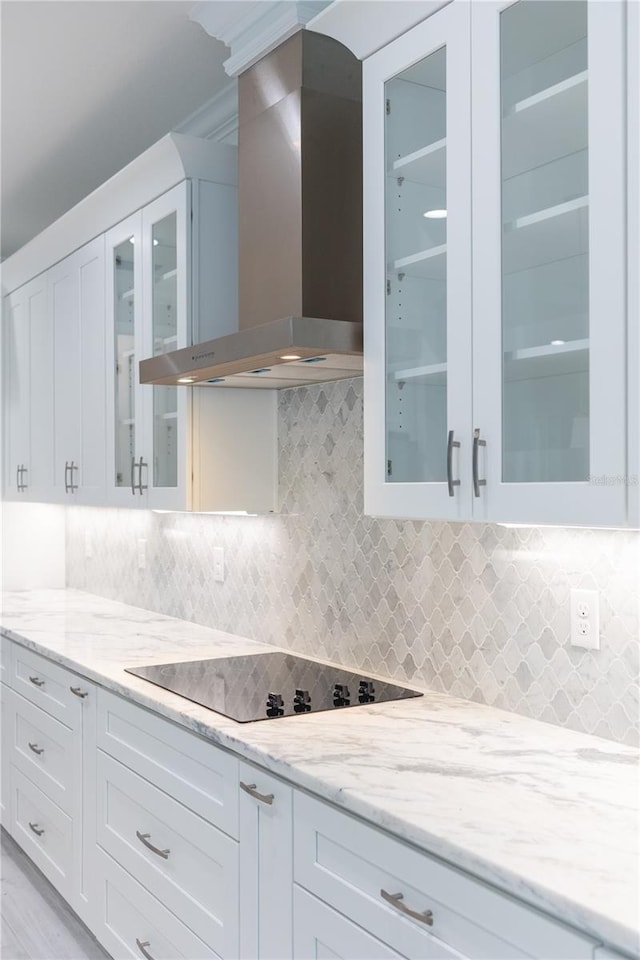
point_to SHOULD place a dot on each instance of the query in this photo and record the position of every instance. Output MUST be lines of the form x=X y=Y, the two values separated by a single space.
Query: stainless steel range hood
x=300 y=227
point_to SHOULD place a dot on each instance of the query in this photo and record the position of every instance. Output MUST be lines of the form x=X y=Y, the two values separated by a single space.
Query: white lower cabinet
x=321 y=933
x=266 y=865
x=171 y=848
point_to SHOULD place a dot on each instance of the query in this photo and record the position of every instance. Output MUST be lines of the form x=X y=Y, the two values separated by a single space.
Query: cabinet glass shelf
x=430 y=264
x=557 y=233
x=427 y=165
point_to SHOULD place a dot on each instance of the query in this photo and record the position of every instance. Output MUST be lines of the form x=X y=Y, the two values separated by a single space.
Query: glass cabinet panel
x=416 y=256
x=545 y=249
x=165 y=339
x=124 y=360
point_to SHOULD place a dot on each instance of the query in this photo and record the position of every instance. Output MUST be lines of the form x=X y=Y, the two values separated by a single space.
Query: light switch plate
x=218 y=564
x=585 y=619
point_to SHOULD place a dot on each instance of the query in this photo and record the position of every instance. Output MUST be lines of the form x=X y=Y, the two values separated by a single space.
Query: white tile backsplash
x=476 y=610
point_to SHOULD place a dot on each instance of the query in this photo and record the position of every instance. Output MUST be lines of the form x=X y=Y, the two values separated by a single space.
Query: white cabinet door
x=125 y=397
x=64 y=311
x=28 y=366
x=417 y=281
x=166 y=258
x=322 y=934
x=266 y=865
x=549 y=261
x=91 y=475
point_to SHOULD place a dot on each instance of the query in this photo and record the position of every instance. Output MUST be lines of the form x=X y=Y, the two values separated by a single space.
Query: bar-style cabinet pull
x=73 y=466
x=477 y=442
x=141 y=464
x=66 y=474
x=36 y=749
x=395 y=899
x=36 y=829
x=451 y=483
x=144 y=838
x=36 y=681
x=250 y=788
x=79 y=692
x=141 y=945
x=133 y=474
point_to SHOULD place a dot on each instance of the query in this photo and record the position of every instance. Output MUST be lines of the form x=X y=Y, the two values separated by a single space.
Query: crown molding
x=252 y=28
x=217 y=119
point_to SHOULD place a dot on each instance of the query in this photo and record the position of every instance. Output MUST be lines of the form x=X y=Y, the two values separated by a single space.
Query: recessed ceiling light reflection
x=558 y=343
x=435 y=214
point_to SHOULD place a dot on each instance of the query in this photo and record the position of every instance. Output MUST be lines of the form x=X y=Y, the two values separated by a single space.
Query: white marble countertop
x=549 y=815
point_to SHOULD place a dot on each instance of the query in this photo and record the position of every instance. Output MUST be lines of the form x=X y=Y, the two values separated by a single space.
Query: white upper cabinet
x=495 y=249
x=28 y=393
x=418 y=271
x=549 y=261
x=76 y=311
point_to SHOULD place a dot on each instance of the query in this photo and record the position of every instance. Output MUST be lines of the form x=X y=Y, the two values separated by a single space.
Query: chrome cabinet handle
x=141 y=947
x=395 y=899
x=37 y=681
x=72 y=467
x=141 y=464
x=18 y=477
x=451 y=483
x=477 y=442
x=66 y=473
x=37 y=830
x=21 y=486
x=250 y=788
x=79 y=692
x=36 y=748
x=144 y=838
x=133 y=474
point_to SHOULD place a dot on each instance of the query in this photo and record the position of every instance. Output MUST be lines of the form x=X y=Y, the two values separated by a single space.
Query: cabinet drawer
x=43 y=749
x=43 y=830
x=195 y=772
x=194 y=866
x=132 y=923
x=47 y=685
x=319 y=933
x=5 y=659
x=348 y=864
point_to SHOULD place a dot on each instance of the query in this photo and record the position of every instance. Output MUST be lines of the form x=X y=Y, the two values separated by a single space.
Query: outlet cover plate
x=585 y=619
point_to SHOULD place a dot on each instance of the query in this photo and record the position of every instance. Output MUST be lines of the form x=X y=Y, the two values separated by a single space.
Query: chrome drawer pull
x=79 y=692
x=395 y=900
x=36 y=748
x=37 y=681
x=451 y=483
x=144 y=838
x=34 y=827
x=250 y=788
x=141 y=947
x=477 y=483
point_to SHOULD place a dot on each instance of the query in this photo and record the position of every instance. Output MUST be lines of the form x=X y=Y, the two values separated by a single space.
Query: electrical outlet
x=142 y=554
x=218 y=564
x=585 y=619
x=88 y=544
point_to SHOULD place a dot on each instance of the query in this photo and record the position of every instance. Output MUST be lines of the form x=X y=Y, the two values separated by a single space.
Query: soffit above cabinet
x=171 y=160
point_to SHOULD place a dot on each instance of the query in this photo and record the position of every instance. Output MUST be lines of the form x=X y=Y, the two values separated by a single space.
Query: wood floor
x=35 y=922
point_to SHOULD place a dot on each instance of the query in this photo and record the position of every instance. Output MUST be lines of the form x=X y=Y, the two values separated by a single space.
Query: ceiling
x=86 y=86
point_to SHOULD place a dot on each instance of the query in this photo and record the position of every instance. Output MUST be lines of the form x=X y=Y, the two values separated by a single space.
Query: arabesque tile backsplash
x=477 y=610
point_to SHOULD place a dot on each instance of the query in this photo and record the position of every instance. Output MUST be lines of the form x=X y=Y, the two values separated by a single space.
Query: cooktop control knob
x=275 y=705
x=367 y=692
x=341 y=695
x=302 y=702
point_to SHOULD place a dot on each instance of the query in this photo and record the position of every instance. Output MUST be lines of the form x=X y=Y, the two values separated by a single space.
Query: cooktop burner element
x=268 y=685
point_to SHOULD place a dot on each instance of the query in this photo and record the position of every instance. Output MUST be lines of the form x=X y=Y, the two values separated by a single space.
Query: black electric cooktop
x=264 y=686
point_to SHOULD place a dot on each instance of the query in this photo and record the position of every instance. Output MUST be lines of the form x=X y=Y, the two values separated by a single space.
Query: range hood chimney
x=300 y=227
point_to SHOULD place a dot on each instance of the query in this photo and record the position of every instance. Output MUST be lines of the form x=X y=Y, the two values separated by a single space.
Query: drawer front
x=349 y=864
x=47 y=685
x=5 y=710
x=319 y=933
x=5 y=659
x=132 y=923
x=197 y=773
x=43 y=749
x=43 y=831
x=193 y=868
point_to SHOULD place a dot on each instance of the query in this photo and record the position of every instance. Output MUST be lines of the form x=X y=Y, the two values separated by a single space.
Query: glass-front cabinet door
x=418 y=271
x=548 y=261
x=124 y=340
x=165 y=254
